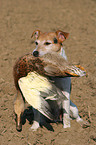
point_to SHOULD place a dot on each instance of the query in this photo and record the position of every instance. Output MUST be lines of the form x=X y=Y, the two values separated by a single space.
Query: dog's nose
x=36 y=53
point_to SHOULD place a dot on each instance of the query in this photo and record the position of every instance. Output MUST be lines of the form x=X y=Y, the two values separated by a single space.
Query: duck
x=50 y=64
x=32 y=79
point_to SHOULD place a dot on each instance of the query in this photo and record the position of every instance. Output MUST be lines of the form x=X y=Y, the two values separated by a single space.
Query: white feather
x=37 y=89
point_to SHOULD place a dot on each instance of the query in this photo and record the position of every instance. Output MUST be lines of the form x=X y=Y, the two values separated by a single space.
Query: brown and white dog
x=53 y=42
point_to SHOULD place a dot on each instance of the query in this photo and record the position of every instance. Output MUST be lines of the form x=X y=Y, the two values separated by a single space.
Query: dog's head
x=48 y=42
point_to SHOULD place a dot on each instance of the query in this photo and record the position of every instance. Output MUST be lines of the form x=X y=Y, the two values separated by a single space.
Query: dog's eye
x=55 y=41
x=36 y=42
x=47 y=43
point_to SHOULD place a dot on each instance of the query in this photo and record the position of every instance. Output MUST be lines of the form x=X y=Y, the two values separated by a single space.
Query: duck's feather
x=37 y=90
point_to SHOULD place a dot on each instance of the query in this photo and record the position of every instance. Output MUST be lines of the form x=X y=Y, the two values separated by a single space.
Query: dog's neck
x=62 y=53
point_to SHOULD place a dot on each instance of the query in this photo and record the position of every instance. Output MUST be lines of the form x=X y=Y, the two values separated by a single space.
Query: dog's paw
x=66 y=121
x=83 y=124
x=66 y=126
x=35 y=126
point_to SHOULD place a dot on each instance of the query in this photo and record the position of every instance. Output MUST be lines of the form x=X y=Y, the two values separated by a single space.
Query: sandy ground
x=18 y=19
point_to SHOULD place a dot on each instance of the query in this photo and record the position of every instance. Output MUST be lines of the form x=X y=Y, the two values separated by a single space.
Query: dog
x=45 y=43
x=53 y=42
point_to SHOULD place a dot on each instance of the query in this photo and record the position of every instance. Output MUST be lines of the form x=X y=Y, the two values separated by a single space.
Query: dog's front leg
x=66 y=112
x=36 y=122
x=70 y=109
x=66 y=103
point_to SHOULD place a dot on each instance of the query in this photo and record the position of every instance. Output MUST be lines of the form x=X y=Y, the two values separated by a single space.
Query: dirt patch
x=18 y=19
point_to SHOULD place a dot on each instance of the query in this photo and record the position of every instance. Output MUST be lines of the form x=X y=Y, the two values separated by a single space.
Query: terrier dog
x=53 y=42
x=45 y=43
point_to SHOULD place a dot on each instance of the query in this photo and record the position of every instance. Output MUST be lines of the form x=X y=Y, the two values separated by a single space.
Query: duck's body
x=28 y=67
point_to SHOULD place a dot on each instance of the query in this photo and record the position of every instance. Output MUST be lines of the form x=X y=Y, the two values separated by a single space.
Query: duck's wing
x=69 y=71
x=56 y=65
x=36 y=90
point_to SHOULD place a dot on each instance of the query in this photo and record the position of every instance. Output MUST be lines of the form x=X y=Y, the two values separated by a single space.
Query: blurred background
x=18 y=19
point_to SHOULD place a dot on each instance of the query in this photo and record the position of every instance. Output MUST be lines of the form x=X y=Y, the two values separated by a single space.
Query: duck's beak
x=19 y=123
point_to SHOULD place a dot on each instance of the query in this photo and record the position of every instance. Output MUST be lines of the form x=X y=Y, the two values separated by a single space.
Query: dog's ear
x=35 y=34
x=62 y=35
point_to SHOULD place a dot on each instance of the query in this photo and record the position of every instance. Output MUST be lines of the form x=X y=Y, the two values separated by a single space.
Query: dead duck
x=30 y=71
